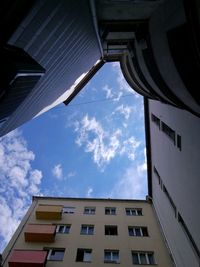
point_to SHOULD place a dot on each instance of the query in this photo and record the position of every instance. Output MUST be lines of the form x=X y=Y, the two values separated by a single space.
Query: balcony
x=28 y=258
x=40 y=233
x=48 y=212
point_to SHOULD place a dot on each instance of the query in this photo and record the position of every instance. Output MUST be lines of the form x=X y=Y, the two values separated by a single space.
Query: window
x=156 y=120
x=133 y=212
x=110 y=230
x=143 y=257
x=69 y=210
x=137 y=231
x=110 y=211
x=169 y=132
x=84 y=255
x=111 y=256
x=55 y=254
x=89 y=210
x=179 y=141
x=63 y=229
x=87 y=229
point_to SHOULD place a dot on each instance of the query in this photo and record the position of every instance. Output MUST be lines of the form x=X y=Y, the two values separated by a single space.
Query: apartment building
x=98 y=232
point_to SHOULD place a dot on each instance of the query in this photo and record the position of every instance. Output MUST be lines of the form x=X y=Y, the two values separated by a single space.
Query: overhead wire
x=95 y=101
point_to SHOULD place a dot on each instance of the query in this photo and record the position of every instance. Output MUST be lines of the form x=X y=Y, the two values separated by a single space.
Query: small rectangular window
x=137 y=231
x=110 y=211
x=87 y=229
x=63 y=229
x=89 y=210
x=111 y=256
x=156 y=120
x=143 y=258
x=110 y=230
x=84 y=255
x=55 y=254
x=69 y=210
x=169 y=132
x=179 y=142
x=133 y=211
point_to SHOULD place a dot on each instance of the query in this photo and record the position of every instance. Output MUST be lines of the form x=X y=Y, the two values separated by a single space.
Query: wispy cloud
x=123 y=85
x=125 y=110
x=57 y=171
x=103 y=144
x=108 y=91
x=19 y=181
x=89 y=192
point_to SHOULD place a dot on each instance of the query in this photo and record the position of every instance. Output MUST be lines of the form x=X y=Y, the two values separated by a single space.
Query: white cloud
x=108 y=91
x=18 y=182
x=124 y=110
x=104 y=145
x=57 y=171
x=89 y=192
x=132 y=184
x=123 y=85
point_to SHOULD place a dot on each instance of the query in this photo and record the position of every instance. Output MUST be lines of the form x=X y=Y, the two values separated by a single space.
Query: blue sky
x=94 y=147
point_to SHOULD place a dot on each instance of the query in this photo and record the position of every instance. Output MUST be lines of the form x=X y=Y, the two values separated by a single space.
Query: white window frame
x=140 y=229
x=110 y=210
x=146 y=256
x=133 y=211
x=58 y=226
x=112 y=258
x=87 y=226
x=91 y=210
x=68 y=210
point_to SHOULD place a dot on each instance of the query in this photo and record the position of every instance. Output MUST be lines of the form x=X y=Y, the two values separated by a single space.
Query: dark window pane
x=144 y=231
x=151 y=258
x=135 y=258
x=137 y=232
x=143 y=258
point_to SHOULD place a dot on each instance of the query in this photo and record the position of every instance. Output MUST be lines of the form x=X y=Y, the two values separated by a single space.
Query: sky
x=94 y=147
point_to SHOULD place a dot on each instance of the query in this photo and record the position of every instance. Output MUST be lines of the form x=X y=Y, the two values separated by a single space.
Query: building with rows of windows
x=99 y=232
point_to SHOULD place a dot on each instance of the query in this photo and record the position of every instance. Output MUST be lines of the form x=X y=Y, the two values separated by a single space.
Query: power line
x=96 y=101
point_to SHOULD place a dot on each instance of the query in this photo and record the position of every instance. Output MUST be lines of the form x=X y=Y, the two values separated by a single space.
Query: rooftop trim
x=90 y=199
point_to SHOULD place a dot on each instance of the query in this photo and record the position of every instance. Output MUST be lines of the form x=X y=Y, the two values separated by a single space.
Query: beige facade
x=97 y=232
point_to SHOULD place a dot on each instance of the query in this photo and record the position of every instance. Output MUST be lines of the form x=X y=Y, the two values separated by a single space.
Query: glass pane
x=60 y=228
x=84 y=230
x=56 y=255
x=137 y=232
x=66 y=229
x=87 y=256
x=113 y=211
x=128 y=212
x=144 y=231
x=133 y=212
x=135 y=258
x=131 y=232
x=143 y=258
x=139 y=212
x=107 y=255
x=90 y=230
x=151 y=258
x=115 y=255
